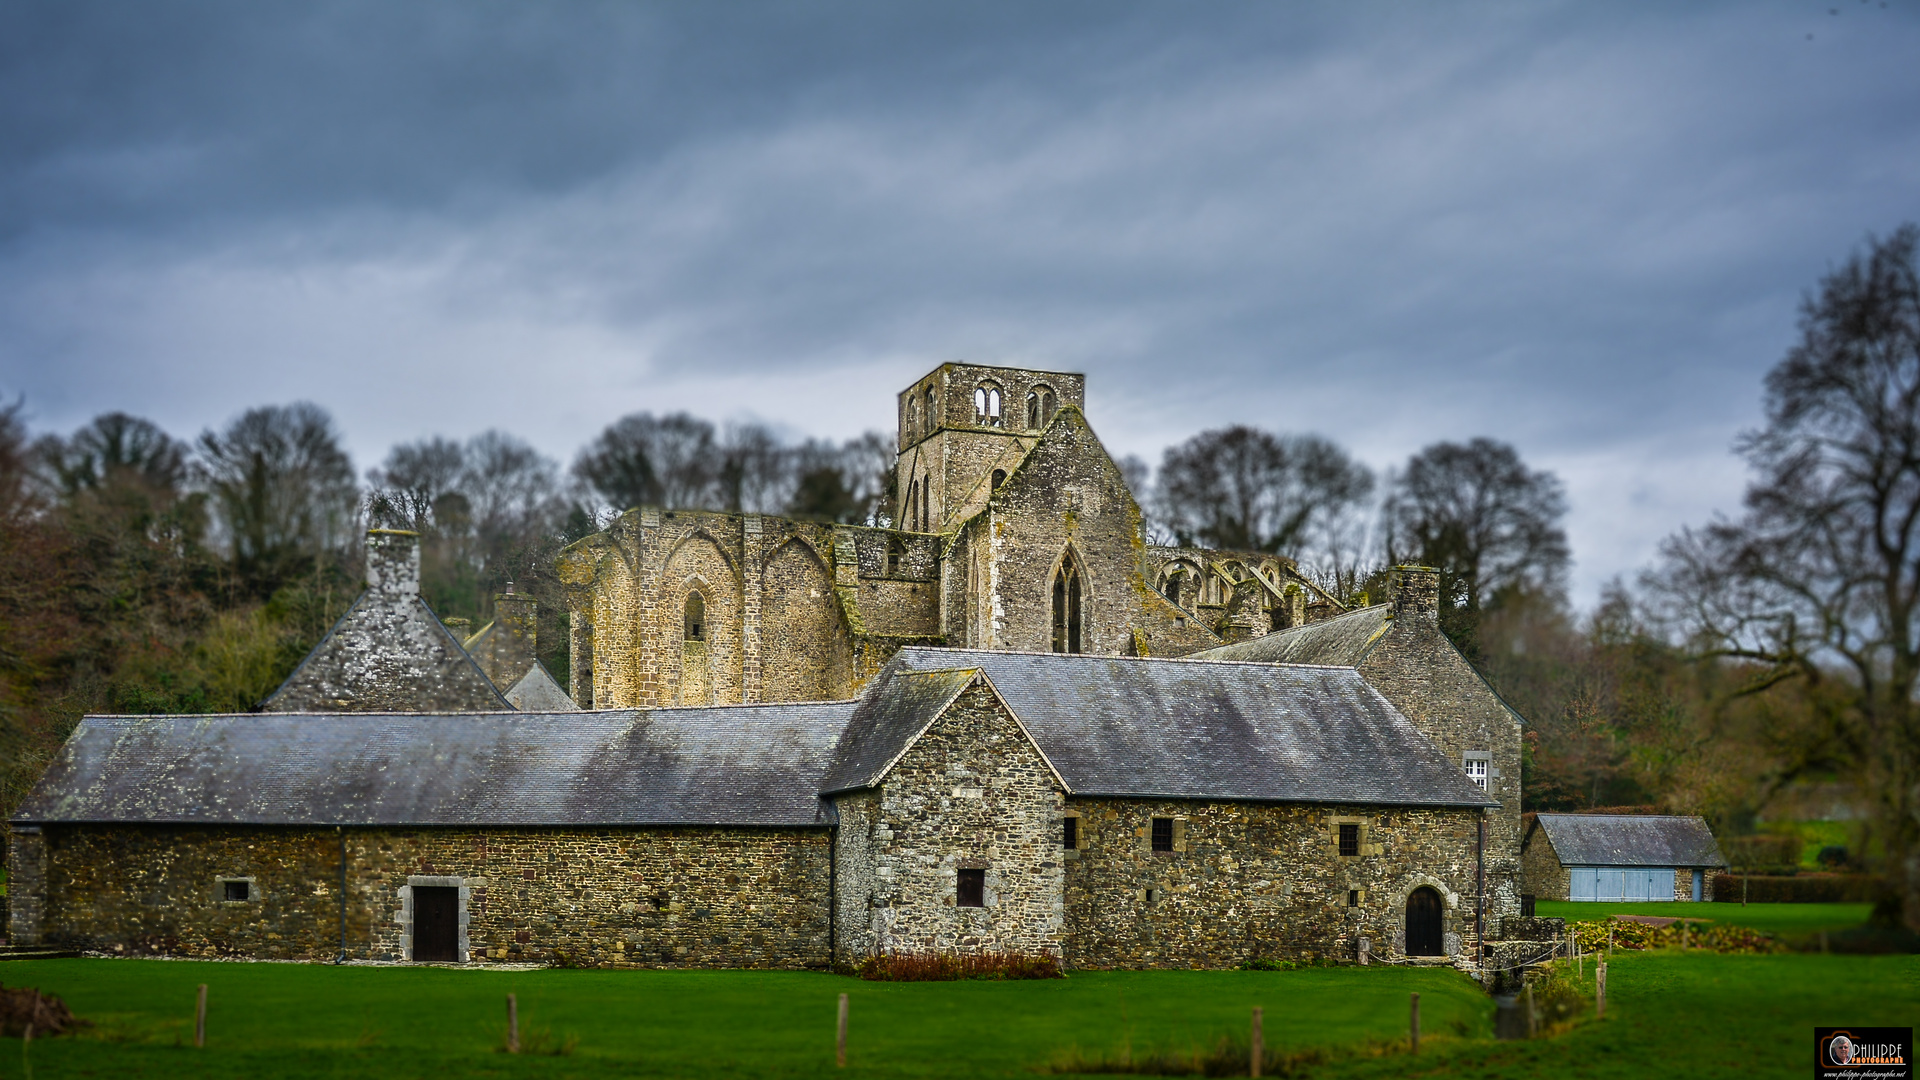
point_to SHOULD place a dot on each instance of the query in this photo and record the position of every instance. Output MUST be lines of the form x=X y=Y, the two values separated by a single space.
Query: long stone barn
x=1113 y=811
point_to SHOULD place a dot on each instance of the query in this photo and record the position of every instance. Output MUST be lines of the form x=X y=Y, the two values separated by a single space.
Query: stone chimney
x=511 y=648
x=393 y=563
x=1416 y=592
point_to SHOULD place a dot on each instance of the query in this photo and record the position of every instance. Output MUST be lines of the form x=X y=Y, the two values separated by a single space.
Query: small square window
x=1349 y=838
x=1353 y=897
x=1150 y=895
x=1163 y=834
x=236 y=892
x=1070 y=832
x=970 y=888
x=1477 y=771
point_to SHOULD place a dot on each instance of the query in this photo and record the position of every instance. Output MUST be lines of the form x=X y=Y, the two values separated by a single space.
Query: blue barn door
x=1583 y=883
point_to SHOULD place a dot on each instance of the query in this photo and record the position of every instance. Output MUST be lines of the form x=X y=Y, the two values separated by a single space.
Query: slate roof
x=1122 y=726
x=740 y=765
x=1341 y=641
x=441 y=672
x=1630 y=840
x=539 y=691
x=898 y=708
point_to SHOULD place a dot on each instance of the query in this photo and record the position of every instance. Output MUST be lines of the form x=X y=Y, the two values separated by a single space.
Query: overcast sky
x=1583 y=229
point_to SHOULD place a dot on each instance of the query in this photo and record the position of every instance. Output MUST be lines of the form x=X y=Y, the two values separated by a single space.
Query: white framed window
x=1479 y=767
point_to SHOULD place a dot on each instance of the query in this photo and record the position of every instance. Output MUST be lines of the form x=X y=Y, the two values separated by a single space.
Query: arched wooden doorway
x=1424 y=922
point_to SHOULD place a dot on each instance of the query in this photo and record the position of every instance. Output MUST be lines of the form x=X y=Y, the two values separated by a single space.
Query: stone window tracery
x=1066 y=607
x=1039 y=406
x=986 y=404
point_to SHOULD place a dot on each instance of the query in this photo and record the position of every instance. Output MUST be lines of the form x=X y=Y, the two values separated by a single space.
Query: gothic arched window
x=1039 y=407
x=986 y=404
x=1066 y=607
x=696 y=625
x=933 y=414
x=926 y=503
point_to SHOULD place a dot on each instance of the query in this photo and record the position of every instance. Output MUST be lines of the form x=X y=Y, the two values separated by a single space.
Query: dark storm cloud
x=1581 y=228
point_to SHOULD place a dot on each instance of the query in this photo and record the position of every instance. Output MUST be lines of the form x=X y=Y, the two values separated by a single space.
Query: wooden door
x=1423 y=923
x=436 y=924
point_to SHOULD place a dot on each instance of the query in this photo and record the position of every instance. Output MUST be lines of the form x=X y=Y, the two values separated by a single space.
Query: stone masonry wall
x=679 y=897
x=1259 y=880
x=1540 y=871
x=26 y=885
x=1069 y=496
x=1416 y=668
x=971 y=793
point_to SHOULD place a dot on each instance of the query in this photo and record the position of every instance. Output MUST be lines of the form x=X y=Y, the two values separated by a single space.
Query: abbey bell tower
x=962 y=425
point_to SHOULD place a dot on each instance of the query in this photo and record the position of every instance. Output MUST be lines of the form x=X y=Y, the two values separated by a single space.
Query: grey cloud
x=1582 y=229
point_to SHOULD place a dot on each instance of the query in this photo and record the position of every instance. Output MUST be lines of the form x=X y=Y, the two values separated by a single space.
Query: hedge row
x=1763 y=854
x=1798 y=889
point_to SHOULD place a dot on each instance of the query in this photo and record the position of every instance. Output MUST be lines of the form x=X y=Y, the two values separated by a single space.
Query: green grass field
x=1717 y=1015
x=1785 y=921
x=285 y=1020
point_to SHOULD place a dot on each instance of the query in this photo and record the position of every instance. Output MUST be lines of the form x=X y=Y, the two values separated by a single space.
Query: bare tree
x=754 y=472
x=1476 y=513
x=1819 y=579
x=282 y=489
x=644 y=460
x=114 y=446
x=415 y=476
x=1245 y=489
x=514 y=490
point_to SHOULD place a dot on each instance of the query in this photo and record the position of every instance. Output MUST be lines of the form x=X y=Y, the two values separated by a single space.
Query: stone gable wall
x=1258 y=880
x=1416 y=668
x=1540 y=871
x=972 y=792
x=1068 y=494
x=388 y=653
x=679 y=897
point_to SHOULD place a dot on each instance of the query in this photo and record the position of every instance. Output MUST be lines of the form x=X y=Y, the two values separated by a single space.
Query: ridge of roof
x=1215 y=730
x=511 y=769
x=890 y=718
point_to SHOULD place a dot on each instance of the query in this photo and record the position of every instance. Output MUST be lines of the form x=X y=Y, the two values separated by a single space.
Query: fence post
x=1258 y=1045
x=840 y=1040
x=1600 y=992
x=200 y=1018
x=513 y=1024
x=1414 y=1025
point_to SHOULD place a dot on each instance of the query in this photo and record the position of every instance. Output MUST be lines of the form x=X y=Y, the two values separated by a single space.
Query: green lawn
x=1708 y=1015
x=285 y=1020
x=1719 y=1015
x=1781 y=920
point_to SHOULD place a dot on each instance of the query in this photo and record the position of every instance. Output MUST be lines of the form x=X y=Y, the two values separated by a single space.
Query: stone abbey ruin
x=1009 y=723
